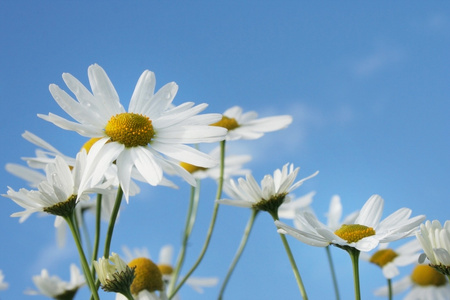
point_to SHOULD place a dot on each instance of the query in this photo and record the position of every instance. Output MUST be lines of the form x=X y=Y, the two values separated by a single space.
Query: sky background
x=367 y=84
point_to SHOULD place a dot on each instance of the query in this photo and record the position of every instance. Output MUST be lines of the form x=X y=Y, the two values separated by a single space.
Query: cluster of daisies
x=154 y=141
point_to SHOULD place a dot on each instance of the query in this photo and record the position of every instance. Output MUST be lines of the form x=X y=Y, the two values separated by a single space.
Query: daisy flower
x=233 y=166
x=3 y=285
x=435 y=241
x=166 y=267
x=270 y=195
x=63 y=188
x=425 y=283
x=366 y=232
x=246 y=126
x=116 y=277
x=142 y=138
x=389 y=259
x=54 y=287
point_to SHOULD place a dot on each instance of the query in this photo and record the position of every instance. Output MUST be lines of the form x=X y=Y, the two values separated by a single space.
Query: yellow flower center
x=130 y=129
x=228 y=123
x=191 y=168
x=425 y=276
x=383 y=257
x=354 y=232
x=165 y=269
x=147 y=276
x=87 y=146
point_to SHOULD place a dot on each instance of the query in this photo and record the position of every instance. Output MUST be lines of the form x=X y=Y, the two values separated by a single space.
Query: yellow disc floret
x=165 y=269
x=147 y=276
x=191 y=168
x=383 y=257
x=130 y=129
x=354 y=232
x=425 y=276
x=228 y=123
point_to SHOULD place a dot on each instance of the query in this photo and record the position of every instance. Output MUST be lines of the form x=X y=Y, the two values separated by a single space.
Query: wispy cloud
x=380 y=58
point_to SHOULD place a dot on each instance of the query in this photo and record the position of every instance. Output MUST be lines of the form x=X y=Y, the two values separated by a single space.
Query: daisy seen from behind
x=54 y=287
x=247 y=126
x=435 y=241
x=142 y=138
x=269 y=195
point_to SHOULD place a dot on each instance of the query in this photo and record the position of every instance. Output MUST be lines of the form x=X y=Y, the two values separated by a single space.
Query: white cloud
x=377 y=60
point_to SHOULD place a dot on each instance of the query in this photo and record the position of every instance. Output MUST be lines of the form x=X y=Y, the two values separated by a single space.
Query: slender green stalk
x=84 y=263
x=190 y=220
x=211 y=225
x=390 y=288
x=86 y=234
x=98 y=215
x=354 y=256
x=333 y=272
x=239 y=251
x=128 y=295
x=112 y=221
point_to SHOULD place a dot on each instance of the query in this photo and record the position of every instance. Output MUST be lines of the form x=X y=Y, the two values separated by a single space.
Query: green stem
x=390 y=288
x=354 y=256
x=298 y=278
x=239 y=251
x=128 y=295
x=211 y=225
x=84 y=263
x=333 y=272
x=86 y=234
x=98 y=215
x=112 y=221
x=448 y=277
x=190 y=220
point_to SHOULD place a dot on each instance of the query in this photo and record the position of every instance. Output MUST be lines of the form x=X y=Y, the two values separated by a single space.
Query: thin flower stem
x=112 y=221
x=86 y=234
x=211 y=225
x=294 y=267
x=354 y=255
x=333 y=272
x=389 y=289
x=128 y=295
x=239 y=251
x=98 y=215
x=84 y=263
x=190 y=220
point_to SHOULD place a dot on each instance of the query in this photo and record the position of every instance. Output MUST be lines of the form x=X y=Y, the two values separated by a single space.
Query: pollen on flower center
x=191 y=168
x=354 y=232
x=228 y=123
x=165 y=269
x=425 y=276
x=130 y=129
x=147 y=276
x=383 y=257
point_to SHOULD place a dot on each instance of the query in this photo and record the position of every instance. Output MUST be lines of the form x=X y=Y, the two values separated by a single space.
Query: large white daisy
x=143 y=137
x=273 y=191
x=366 y=232
x=247 y=126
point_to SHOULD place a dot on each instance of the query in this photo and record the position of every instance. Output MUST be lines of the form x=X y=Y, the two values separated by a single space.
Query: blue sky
x=367 y=84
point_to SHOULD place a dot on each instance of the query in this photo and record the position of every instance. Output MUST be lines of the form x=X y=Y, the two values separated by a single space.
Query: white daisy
x=425 y=283
x=273 y=192
x=63 y=188
x=54 y=287
x=233 y=166
x=435 y=241
x=389 y=259
x=3 y=285
x=141 y=138
x=165 y=265
x=366 y=232
x=246 y=126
